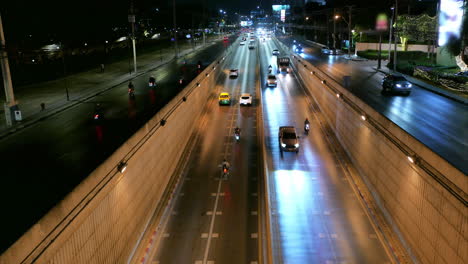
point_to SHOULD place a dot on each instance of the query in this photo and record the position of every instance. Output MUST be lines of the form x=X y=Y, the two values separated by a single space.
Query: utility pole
x=175 y=28
x=390 y=34
x=396 y=41
x=350 y=10
x=10 y=104
x=131 y=19
x=334 y=28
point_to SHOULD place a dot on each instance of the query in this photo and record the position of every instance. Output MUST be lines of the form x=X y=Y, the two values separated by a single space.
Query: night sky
x=21 y=17
x=90 y=19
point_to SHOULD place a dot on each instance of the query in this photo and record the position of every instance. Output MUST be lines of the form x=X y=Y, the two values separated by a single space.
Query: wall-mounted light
x=411 y=159
x=338 y=95
x=324 y=81
x=122 y=166
x=363 y=117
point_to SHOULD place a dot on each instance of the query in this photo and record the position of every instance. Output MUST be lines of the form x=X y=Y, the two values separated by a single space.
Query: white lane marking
x=208 y=243
x=254 y=213
x=165 y=235
x=204 y=235
x=321 y=235
x=181 y=194
x=253 y=262
x=334 y=236
x=326 y=213
x=254 y=235
x=254 y=194
x=209 y=213
x=215 y=235
x=219 y=213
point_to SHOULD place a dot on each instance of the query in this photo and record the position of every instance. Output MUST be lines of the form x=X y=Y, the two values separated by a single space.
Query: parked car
x=233 y=73
x=245 y=99
x=462 y=73
x=396 y=84
x=271 y=80
x=288 y=139
x=331 y=51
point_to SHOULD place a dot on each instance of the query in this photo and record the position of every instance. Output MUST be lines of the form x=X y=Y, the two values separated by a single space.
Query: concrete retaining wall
x=375 y=46
x=425 y=201
x=102 y=219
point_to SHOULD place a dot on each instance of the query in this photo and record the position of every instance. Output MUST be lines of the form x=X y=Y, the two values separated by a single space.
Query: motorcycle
x=270 y=69
x=225 y=172
x=131 y=92
x=307 y=128
x=237 y=136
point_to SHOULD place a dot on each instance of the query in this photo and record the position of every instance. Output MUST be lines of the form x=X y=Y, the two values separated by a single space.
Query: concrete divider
x=101 y=219
x=422 y=196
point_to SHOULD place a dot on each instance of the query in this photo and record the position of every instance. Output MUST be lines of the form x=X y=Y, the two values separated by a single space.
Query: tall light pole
x=390 y=34
x=131 y=19
x=175 y=28
x=10 y=104
x=396 y=41
x=335 y=17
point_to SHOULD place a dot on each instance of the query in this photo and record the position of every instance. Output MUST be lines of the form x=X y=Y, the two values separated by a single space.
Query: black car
x=396 y=84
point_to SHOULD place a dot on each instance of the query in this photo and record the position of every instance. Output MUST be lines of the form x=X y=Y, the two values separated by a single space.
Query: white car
x=271 y=80
x=233 y=73
x=245 y=99
x=275 y=52
x=242 y=43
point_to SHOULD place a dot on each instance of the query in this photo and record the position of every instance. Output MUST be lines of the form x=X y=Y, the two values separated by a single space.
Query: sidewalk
x=84 y=85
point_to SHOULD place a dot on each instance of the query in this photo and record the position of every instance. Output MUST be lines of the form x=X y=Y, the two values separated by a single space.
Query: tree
x=415 y=28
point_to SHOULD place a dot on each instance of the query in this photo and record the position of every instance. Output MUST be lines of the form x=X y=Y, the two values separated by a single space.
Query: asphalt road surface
x=438 y=122
x=212 y=219
x=316 y=215
x=43 y=163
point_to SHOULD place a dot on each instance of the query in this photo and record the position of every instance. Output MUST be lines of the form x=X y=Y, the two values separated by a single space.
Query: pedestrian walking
x=102 y=67
x=42 y=107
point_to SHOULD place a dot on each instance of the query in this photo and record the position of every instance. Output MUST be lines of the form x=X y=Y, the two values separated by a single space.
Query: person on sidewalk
x=42 y=107
x=102 y=67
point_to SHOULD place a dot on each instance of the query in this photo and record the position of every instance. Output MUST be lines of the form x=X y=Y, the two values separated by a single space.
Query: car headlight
x=398 y=85
x=283 y=145
x=296 y=145
x=410 y=85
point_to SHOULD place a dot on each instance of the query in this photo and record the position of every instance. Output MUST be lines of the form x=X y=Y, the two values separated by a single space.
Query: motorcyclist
x=306 y=124
x=152 y=80
x=269 y=68
x=237 y=131
x=225 y=167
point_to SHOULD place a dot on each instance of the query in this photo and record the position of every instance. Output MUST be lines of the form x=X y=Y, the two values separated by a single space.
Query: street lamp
x=348 y=23
x=390 y=34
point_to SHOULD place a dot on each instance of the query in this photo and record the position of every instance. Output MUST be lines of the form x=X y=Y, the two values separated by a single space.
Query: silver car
x=396 y=84
x=288 y=139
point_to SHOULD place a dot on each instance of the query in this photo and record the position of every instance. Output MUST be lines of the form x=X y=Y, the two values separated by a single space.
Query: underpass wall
x=101 y=220
x=424 y=201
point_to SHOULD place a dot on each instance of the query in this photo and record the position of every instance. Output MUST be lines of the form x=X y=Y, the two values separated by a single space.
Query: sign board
x=450 y=20
x=381 y=23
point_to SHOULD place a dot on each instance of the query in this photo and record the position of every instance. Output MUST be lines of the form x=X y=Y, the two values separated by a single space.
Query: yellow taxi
x=224 y=99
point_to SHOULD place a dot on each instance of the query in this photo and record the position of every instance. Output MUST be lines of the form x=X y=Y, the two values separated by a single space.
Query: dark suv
x=288 y=139
x=396 y=84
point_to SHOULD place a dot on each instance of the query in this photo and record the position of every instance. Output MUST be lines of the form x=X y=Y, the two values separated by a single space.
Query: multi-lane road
x=438 y=122
x=316 y=215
